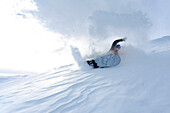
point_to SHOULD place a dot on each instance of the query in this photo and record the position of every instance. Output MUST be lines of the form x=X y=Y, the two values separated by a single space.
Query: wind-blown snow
x=95 y=21
x=139 y=84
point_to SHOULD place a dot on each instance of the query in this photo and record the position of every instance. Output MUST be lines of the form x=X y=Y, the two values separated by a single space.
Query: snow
x=43 y=67
x=139 y=84
x=160 y=44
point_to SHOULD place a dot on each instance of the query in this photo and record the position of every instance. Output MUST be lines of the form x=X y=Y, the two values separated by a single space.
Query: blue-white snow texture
x=139 y=84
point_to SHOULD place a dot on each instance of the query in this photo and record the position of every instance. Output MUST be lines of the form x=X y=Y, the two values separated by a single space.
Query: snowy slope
x=160 y=44
x=140 y=84
x=37 y=34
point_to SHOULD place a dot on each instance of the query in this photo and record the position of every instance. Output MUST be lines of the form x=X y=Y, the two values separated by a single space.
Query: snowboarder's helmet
x=118 y=46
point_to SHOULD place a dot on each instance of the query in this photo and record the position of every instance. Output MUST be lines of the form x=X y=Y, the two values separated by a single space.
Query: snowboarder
x=115 y=46
x=111 y=59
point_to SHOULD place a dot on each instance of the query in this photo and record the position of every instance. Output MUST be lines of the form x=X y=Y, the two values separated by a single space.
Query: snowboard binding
x=92 y=63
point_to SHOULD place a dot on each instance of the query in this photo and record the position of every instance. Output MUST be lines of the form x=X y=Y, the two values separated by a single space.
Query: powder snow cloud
x=97 y=21
x=94 y=19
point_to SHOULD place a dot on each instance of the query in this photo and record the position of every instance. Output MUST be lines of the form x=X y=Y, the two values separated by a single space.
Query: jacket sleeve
x=115 y=43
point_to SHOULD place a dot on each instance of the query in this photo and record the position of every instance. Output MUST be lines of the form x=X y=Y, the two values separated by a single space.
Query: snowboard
x=105 y=61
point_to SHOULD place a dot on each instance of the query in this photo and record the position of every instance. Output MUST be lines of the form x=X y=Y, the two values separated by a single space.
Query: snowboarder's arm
x=117 y=41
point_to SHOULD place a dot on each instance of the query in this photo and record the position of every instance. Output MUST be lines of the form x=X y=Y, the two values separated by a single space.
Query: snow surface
x=139 y=84
x=160 y=44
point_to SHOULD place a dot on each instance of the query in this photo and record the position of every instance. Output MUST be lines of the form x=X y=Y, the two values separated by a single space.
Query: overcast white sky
x=158 y=12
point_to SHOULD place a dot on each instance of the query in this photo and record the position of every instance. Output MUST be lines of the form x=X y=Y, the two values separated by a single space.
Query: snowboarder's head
x=118 y=46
